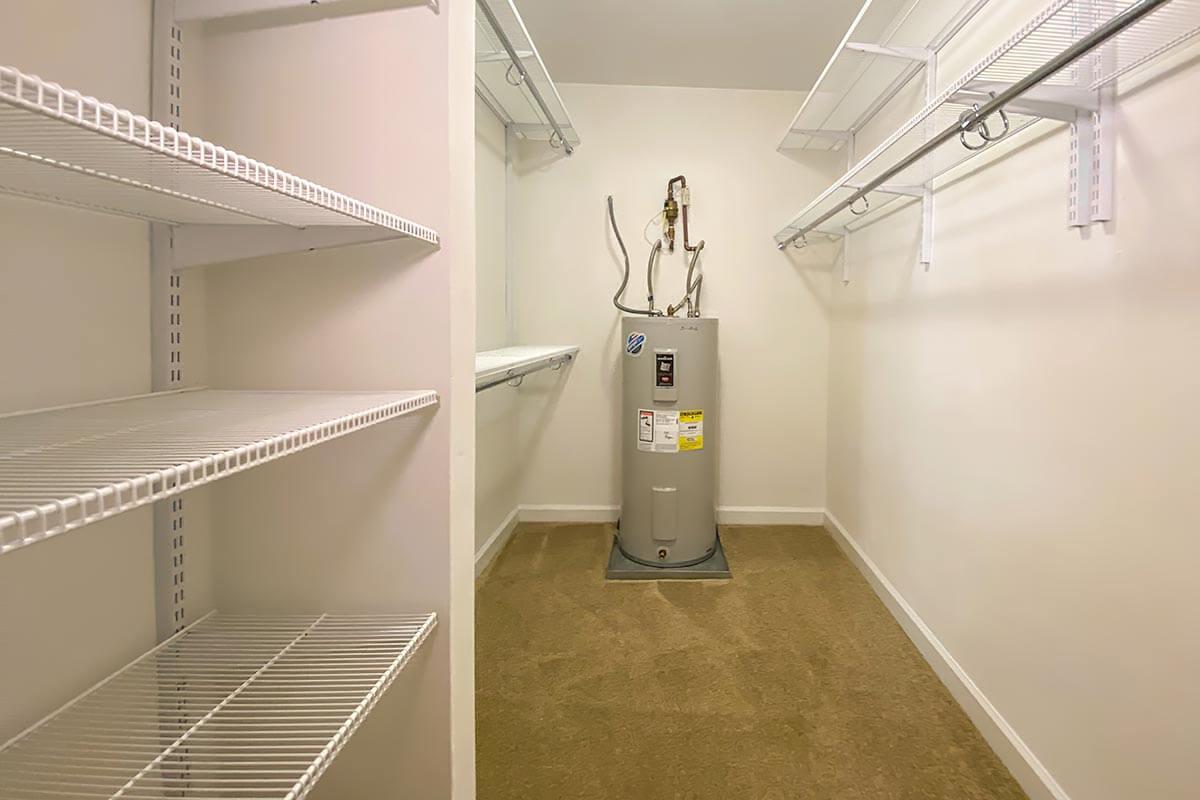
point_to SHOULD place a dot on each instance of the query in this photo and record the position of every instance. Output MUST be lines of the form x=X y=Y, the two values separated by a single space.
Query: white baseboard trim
x=1033 y=776
x=495 y=543
x=770 y=515
x=569 y=513
x=726 y=515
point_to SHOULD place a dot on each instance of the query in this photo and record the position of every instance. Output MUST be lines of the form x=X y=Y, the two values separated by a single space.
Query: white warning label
x=658 y=431
x=645 y=426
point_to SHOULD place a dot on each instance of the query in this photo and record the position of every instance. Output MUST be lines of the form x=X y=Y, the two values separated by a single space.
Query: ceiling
x=728 y=44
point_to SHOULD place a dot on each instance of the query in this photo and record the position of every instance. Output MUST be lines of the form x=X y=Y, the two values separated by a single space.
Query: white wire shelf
x=246 y=707
x=61 y=146
x=67 y=467
x=1050 y=34
x=494 y=367
x=888 y=44
x=519 y=90
x=202 y=10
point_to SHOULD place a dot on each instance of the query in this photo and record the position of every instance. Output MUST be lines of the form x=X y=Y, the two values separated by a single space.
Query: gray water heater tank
x=669 y=440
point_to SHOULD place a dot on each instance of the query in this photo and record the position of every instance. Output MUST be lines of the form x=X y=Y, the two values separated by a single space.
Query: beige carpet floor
x=789 y=681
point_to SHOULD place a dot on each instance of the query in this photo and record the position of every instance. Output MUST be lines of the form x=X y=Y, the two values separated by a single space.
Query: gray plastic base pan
x=621 y=568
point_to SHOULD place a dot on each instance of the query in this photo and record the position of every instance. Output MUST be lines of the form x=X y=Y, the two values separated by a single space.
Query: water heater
x=669 y=441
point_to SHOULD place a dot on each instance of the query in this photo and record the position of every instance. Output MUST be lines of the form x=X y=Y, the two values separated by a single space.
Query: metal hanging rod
x=1099 y=36
x=518 y=373
x=523 y=74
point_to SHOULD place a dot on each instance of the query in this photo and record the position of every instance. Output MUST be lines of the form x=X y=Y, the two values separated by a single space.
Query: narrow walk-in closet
x=620 y=400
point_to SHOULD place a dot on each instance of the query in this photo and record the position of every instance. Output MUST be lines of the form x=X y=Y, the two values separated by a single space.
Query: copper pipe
x=687 y=242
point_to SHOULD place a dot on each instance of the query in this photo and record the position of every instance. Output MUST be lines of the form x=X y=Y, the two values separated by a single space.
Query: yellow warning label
x=691 y=430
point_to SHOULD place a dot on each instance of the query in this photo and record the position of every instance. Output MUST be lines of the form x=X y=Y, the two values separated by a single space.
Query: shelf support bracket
x=893 y=188
x=1092 y=164
x=1104 y=157
x=931 y=93
x=198 y=245
x=851 y=159
x=500 y=55
x=534 y=131
x=920 y=54
x=926 y=227
x=1061 y=103
x=1079 y=177
x=1091 y=160
x=841 y=138
x=845 y=260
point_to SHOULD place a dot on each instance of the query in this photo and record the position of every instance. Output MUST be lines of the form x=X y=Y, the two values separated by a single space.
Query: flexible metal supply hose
x=690 y=287
x=649 y=312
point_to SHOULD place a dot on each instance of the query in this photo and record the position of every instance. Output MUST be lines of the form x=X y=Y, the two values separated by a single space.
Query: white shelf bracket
x=845 y=260
x=1091 y=158
x=1061 y=103
x=1079 y=170
x=203 y=10
x=1092 y=163
x=1104 y=137
x=851 y=158
x=926 y=227
x=533 y=131
x=904 y=190
x=198 y=245
x=931 y=93
x=921 y=54
x=500 y=55
x=840 y=136
x=1104 y=157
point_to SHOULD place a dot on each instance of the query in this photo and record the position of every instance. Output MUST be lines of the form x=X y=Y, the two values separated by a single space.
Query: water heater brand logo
x=634 y=343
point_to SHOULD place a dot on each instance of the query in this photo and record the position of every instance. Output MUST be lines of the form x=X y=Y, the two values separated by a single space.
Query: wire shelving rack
x=232 y=706
x=512 y=79
x=1053 y=68
x=889 y=43
x=64 y=468
x=494 y=367
x=63 y=147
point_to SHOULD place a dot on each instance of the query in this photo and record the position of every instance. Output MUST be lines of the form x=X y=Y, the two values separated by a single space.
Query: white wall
x=1013 y=438
x=370 y=522
x=74 y=326
x=491 y=235
x=497 y=461
x=773 y=318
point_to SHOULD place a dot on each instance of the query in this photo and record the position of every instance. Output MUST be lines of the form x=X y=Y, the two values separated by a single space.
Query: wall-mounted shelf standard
x=66 y=467
x=1062 y=65
x=512 y=79
x=494 y=367
x=889 y=42
x=229 y=707
x=60 y=146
